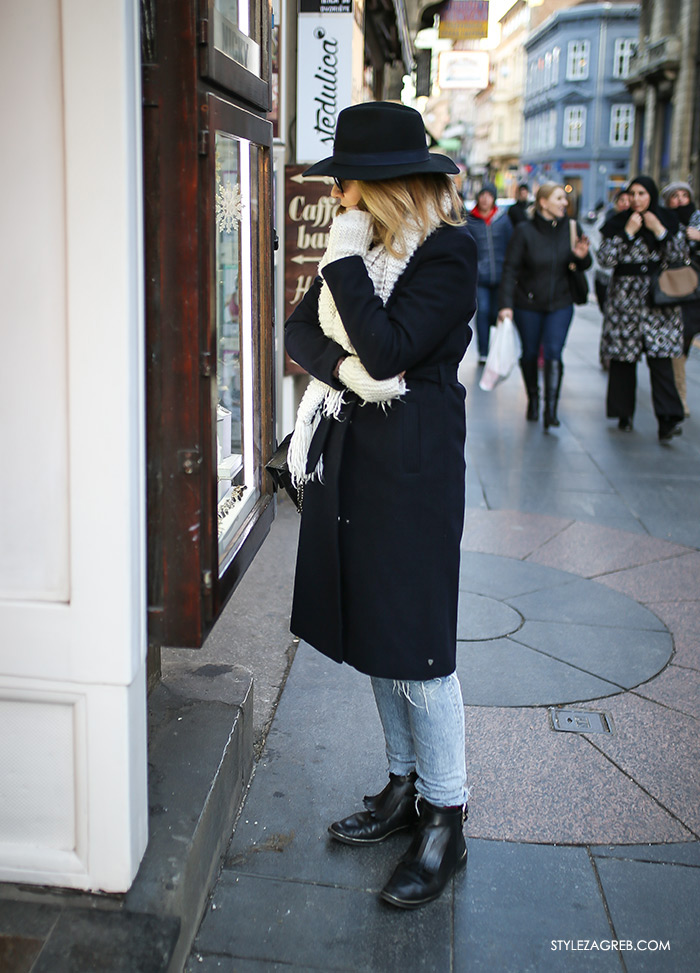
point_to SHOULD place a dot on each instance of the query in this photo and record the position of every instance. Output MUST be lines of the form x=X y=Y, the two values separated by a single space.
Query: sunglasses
x=338 y=183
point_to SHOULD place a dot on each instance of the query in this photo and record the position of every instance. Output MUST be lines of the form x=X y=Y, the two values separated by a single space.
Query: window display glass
x=234 y=33
x=236 y=217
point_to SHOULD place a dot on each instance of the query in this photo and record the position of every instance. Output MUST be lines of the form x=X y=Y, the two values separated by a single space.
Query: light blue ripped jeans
x=423 y=725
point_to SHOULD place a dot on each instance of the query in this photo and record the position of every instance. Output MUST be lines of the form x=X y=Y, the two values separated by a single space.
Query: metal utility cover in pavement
x=580 y=721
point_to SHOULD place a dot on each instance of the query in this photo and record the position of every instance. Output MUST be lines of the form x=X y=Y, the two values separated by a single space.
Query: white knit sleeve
x=350 y=234
x=354 y=374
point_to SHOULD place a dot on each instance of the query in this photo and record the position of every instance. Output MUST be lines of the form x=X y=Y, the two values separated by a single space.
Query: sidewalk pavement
x=580 y=608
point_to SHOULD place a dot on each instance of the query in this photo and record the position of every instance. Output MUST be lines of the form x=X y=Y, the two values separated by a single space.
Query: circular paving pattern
x=530 y=635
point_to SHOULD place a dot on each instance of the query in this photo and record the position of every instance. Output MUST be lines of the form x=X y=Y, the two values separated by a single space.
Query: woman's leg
x=436 y=717
x=393 y=712
x=529 y=325
x=622 y=391
x=668 y=407
x=483 y=319
x=555 y=330
x=438 y=849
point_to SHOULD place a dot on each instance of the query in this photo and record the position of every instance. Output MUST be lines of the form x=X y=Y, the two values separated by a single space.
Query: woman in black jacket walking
x=379 y=447
x=536 y=293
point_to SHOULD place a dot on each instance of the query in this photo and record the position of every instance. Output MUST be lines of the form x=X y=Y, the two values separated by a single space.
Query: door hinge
x=203 y=141
x=204 y=30
x=189 y=460
x=205 y=364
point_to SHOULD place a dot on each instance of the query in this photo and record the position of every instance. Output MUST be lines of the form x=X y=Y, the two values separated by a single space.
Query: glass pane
x=236 y=211
x=234 y=34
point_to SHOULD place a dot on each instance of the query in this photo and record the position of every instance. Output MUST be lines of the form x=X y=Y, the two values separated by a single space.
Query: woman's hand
x=693 y=234
x=505 y=312
x=581 y=248
x=633 y=224
x=653 y=223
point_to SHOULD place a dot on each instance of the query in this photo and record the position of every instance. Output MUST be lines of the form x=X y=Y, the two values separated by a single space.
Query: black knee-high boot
x=437 y=851
x=528 y=366
x=553 y=371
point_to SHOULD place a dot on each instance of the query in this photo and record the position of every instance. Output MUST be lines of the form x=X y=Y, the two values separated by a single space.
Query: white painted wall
x=73 y=803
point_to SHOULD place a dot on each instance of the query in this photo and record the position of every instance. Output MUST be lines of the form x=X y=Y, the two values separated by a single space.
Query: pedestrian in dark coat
x=678 y=196
x=491 y=230
x=536 y=293
x=519 y=211
x=634 y=245
x=379 y=447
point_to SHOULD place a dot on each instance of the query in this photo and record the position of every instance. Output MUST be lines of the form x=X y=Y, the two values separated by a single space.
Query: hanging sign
x=324 y=79
x=464 y=20
x=309 y=212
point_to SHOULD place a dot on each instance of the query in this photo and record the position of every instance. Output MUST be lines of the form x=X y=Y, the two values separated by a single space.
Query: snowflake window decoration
x=228 y=207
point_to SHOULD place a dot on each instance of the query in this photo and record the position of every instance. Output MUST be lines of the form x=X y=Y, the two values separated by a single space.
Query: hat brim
x=433 y=164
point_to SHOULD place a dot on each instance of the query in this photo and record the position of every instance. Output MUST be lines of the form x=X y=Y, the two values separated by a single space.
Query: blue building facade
x=578 y=114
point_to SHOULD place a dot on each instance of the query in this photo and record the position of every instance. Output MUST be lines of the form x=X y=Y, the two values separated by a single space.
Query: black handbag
x=676 y=284
x=578 y=282
x=278 y=468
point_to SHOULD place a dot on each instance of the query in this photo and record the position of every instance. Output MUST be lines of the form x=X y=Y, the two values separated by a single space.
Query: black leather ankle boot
x=392 y=810
x=437 y=851
x=528 y=366
x=553 y=371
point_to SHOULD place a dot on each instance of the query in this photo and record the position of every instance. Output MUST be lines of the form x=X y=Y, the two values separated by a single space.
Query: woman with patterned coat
x=635 y=244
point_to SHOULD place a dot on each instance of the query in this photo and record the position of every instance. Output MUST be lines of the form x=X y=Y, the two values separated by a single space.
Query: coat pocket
x=411 y=437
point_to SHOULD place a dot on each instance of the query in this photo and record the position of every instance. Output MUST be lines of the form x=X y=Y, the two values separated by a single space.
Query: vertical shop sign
x=324 y=74
x=310 y=209
x=464 y=20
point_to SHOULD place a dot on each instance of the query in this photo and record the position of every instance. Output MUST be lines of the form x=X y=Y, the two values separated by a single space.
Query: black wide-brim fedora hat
x=380 y=140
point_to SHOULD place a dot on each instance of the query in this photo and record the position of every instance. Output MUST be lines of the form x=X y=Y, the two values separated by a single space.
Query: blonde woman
x=536 y=293
x=379 y=447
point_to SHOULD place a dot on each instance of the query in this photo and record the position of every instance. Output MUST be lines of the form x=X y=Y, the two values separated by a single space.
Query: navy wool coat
x=377 y=573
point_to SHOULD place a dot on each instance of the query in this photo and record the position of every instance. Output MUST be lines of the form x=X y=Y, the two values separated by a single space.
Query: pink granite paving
x=509 y=532
x=660 y=749
x=530 y=783
x=675 y=687
x=682 y=619
x=639 y=784
x=673 y=579
x=589 y=550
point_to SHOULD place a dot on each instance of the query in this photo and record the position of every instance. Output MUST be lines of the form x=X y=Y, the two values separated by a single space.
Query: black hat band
x=379 y=158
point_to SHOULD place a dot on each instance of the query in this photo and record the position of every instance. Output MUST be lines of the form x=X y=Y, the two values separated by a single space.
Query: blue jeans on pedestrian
x=486 y=314
x=424 y=731
x=543 y=328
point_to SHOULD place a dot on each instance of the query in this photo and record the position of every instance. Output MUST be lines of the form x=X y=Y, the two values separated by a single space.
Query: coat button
x=430 y=662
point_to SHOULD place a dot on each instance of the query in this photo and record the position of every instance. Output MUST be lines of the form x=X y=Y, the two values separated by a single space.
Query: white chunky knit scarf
x=351 y=233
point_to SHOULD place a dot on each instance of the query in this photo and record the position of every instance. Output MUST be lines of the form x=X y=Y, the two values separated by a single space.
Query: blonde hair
x=391 y=202
x=545 y=191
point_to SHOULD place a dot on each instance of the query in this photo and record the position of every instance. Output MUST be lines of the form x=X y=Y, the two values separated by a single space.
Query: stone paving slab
x=590 y=550
x=653 y=903
x=683 y=621
x=575 y=602
x=676 y=854
x=503 y=577
x=517 y=900
x=533 y=784
x=322 y=927
x=507 y=532
x=676 y=578
x=660 y=749
x=677 y=688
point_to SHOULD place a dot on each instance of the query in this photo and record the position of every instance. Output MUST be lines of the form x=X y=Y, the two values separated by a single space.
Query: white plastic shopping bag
x=504 y=352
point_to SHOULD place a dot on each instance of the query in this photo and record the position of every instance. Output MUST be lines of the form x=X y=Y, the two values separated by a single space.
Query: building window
x=555 y=65
x=622 y=125
x=577 y=60
x=574 y=126
x=624 y=49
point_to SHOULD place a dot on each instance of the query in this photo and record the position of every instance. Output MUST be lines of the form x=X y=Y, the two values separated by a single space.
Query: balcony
x=655 y=60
